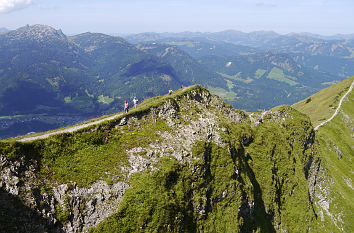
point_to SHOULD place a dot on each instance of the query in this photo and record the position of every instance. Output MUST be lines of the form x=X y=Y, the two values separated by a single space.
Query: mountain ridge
x=190 y=113
x=73 y=70
x=259 y=39
x=92 y=74
x=4 y=30
x=192 y=163
x=334 y=195
x=322 y=105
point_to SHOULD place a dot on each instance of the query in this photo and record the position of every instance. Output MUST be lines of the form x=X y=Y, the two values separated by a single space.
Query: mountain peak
x=99 y=37
x=92 y=41
x=4 y=30
x=37 y=32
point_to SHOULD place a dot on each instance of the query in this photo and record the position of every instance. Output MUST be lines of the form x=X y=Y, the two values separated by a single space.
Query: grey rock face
x=39 y=33
x=83 y=207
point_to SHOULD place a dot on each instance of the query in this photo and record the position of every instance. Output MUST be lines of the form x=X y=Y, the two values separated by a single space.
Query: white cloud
x=12 y=5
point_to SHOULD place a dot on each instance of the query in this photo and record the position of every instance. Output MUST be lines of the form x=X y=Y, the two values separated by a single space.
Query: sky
x=326 y=17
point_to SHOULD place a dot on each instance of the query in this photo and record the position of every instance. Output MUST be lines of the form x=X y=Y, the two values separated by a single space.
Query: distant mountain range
x=43 y=71
x=253 y=39
x=4 y=30
x=263 y=68
x=332 y=37
x=333 y=54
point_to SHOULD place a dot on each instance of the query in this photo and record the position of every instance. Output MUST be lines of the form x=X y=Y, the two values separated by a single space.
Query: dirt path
x=75 y=128
x=337 y=110
x=68 y=130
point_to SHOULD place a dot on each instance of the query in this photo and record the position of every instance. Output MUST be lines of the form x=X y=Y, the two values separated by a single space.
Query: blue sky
x=132 y=16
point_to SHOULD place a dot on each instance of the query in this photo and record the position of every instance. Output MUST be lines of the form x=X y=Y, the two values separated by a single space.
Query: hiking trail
x=68 y=130
x=78 y=127
x=338 y=108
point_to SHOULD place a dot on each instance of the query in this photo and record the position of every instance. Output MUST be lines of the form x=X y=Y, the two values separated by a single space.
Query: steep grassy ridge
x=192 y=162
x=321 y=106
x=253 y=180
x=334 y=193
x=337 y=150
x=185 y=162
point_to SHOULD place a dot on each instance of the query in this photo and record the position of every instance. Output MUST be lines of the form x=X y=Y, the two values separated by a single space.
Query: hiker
x=135 y=101
x=170 y=92
x=126 y=106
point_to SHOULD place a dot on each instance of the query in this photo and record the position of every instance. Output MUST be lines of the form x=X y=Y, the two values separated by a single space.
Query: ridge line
x=68 y=130
x=85 y=125
x=338 y=108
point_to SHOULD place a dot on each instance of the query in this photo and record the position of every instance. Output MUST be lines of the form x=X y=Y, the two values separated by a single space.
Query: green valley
x=91 y=74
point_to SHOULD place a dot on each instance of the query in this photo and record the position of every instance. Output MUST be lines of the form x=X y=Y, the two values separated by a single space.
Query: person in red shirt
x=126 y=106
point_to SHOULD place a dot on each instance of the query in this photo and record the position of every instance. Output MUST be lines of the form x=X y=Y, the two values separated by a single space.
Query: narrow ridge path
x=68 y=130
x=337 y=110
x=78 y=127
x=75 y=128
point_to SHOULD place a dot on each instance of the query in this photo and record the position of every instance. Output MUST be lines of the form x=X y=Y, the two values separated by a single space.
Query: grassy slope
x=336 y=151
x=339 y=165
x=321 y=106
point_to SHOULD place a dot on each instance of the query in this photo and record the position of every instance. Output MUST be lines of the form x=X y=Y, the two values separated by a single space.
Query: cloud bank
x=13 y=5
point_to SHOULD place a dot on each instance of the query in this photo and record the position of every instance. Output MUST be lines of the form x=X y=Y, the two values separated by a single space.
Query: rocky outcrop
x=77 y=209
x=70 y=208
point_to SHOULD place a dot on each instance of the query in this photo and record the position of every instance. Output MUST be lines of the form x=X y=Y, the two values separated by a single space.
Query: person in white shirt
x=135 y=101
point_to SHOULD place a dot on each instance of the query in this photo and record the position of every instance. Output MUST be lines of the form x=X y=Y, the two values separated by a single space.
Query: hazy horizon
x=177 y=32
x=322 y=17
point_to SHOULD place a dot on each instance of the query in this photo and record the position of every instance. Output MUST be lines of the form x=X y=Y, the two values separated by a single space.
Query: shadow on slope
x=16 y=217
